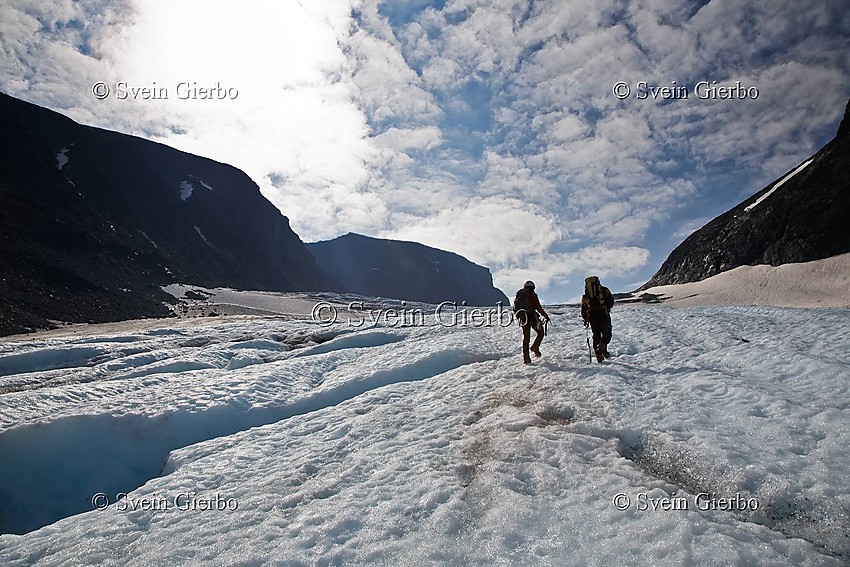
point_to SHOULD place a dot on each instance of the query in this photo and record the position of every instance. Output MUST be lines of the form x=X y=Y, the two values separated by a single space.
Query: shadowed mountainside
x=802 y=216
x=405 y=270
x=93 y=222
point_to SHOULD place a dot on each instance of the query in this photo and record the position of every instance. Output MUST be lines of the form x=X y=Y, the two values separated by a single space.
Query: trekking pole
x=589 y=351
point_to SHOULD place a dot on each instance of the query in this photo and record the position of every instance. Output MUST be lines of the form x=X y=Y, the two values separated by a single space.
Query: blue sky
x=488 y=128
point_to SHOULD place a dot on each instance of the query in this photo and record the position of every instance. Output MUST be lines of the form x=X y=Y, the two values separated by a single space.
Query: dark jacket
x=534 y=306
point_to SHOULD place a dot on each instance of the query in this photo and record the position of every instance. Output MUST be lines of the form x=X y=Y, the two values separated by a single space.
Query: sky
x=546 y=140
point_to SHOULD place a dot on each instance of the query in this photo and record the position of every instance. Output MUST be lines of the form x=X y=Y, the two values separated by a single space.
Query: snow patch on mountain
x=204 y=184
x=62 y=158
x=779 y=184
x=186 y=190
x=201 y=234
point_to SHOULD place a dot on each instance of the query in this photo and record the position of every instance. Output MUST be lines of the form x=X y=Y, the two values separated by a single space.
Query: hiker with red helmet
x=595 y=306
x=526 y=307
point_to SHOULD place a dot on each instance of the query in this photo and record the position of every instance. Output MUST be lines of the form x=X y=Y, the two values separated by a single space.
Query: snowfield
x=820 y=283
x=714 y=436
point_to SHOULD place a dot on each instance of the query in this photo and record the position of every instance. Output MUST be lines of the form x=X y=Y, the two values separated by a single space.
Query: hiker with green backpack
x=526 y=308
x=596 y=304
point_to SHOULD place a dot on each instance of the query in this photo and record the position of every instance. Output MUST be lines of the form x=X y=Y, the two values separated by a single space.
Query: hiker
x=527 y=306
x=595 y=306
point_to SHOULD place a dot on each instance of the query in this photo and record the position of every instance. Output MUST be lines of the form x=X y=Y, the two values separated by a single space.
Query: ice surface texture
x=433 y=445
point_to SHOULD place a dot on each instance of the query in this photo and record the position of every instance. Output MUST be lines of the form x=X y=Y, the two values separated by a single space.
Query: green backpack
x=594 y=293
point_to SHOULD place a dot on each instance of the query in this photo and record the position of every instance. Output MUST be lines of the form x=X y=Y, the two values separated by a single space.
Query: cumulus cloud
x=494 y=230
x=566 y=271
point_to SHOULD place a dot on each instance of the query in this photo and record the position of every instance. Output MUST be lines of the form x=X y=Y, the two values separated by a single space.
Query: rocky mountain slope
x=93 y=222
x=802 y=216
x=405 y=270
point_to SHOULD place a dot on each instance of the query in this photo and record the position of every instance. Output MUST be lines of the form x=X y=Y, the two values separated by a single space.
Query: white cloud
x=567 y=128
x=491 y=231
x=388 y=90
x=562 y=275
x=519 y=178
x=404 y=139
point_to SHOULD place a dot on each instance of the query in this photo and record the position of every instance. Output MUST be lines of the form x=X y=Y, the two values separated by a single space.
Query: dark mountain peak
x=844 y=127
x=801 y=216
x=405 y=270
x=94 y=222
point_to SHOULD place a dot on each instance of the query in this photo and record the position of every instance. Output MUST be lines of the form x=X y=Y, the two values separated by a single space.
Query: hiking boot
x=605 y=353
x=537 y=353
x=526 y=361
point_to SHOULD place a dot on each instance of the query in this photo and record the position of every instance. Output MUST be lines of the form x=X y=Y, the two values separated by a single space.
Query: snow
x=270 y=302
x=276 y=440
x=62 y=159
x=45 y=359
x=186 y=189
x=752 y=206
x=204 y=238
x=822 y=283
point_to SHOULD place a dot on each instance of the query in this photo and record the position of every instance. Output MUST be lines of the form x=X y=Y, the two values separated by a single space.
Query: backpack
x=522 y=301
x=594 y=294
x=522 y=308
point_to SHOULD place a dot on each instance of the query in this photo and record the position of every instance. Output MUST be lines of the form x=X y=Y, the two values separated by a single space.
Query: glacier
x=716 y=435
